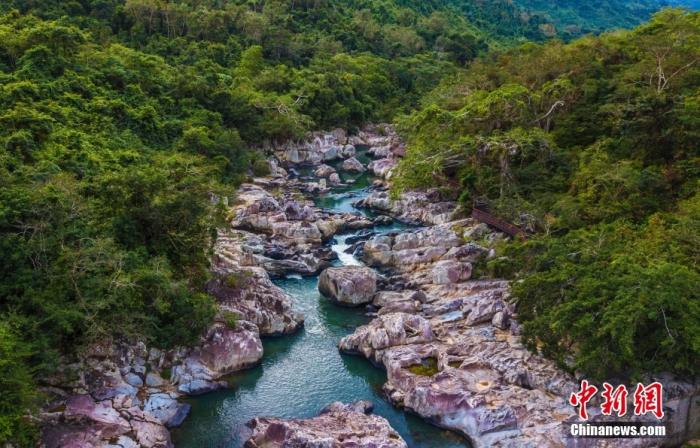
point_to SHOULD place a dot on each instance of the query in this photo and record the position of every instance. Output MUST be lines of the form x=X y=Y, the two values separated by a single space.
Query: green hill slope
x=593 y=145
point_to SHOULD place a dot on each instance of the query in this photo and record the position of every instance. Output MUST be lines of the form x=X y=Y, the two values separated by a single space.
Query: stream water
x=302 y=373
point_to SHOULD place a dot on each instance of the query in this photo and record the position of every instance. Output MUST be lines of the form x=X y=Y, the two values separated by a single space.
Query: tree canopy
x=593 y=146
x=121 y=119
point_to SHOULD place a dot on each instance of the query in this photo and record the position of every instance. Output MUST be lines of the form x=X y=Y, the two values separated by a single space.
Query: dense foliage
x=595 y=145
x=570 y=18
x=120 y=119
x=576 y=17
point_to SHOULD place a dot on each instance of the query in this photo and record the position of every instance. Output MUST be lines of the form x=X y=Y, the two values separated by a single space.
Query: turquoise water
x=301 y=374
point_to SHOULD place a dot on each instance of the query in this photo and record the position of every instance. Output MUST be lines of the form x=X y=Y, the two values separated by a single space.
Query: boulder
x=167 y=409
x=387 y=331
x=352 y=164
x=348 y=285
x=449 y=271
x=249 y=293
x=416 y=207
x=383 y=168
x=224 y=351
x=334 y=179
x=324 y=171
x=338 y=425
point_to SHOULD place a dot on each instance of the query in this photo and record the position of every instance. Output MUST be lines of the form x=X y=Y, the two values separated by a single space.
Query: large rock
x=225 y=350
x=167 y=409
x=446 y=272
x=324 y=171
x=317 y=148
x=87 y=423
x=348 y=285
x=408 y=250
x=387 y=331
x=417 y=207
x=249 y=293
x=352 y=164
x=383 y=168
x=339 y=425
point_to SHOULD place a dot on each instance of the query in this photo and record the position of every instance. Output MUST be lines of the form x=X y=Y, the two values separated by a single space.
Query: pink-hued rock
x=420 y=207
x=87 y=423
x=249 y=293
x=338 y=426
x=447 y=272
x=148 y=430
x=352 y=164
x=409 y=250
x=348 y=285
x=390 y=330
x=324 y=171
x=83 y=409
x=383 y=168
x=445 y=360
x=224 y=351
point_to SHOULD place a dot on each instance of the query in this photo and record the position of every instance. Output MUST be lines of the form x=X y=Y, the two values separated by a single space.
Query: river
x=302 y=373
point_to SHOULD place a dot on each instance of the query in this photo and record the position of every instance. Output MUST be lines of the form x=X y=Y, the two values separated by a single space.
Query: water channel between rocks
x=302 y=373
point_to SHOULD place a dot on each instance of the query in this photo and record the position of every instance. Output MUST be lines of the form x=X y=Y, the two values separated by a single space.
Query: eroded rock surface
x=414 y=207
x=225 y=350
x=352 y=164
x=348 y=285
x=452 y=351
x=338 y=425
x=319 y=147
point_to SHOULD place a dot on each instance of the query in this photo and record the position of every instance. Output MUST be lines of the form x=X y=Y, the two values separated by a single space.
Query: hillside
x=575 y=17
x=119 y=118
x=593 y=147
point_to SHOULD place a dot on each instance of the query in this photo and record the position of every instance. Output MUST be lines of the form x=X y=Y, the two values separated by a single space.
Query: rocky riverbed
x=449 y=343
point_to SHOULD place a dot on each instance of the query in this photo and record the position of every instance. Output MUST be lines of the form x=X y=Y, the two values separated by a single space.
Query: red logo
x=582 y=397
x=615 y=400
x=647 y=399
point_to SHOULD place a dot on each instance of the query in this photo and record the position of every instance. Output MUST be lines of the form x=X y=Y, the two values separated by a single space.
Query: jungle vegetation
x=594 y=147
x=121 y=120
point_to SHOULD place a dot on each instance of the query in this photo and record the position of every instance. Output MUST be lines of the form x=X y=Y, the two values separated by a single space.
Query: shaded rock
x=224 y=351
x=348 y=285
x=153 y=379
x=324 y=171
x=383 y=220
x=133 y=380
x=338 y=425
x=167 y=409
x=352 y=164
x=449 y=271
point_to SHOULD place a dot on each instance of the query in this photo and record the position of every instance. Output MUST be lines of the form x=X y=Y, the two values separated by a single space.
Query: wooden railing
x=494 y=221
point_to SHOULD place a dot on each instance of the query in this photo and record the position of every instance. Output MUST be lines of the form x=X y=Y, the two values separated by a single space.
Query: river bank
x=424 y=338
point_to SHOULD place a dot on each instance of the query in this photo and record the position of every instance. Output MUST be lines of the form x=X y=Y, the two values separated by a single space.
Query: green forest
x=119 y=119
x=593 y=146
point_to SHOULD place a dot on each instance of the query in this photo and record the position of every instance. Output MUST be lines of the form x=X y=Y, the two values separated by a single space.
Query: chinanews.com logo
x=645 y=402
